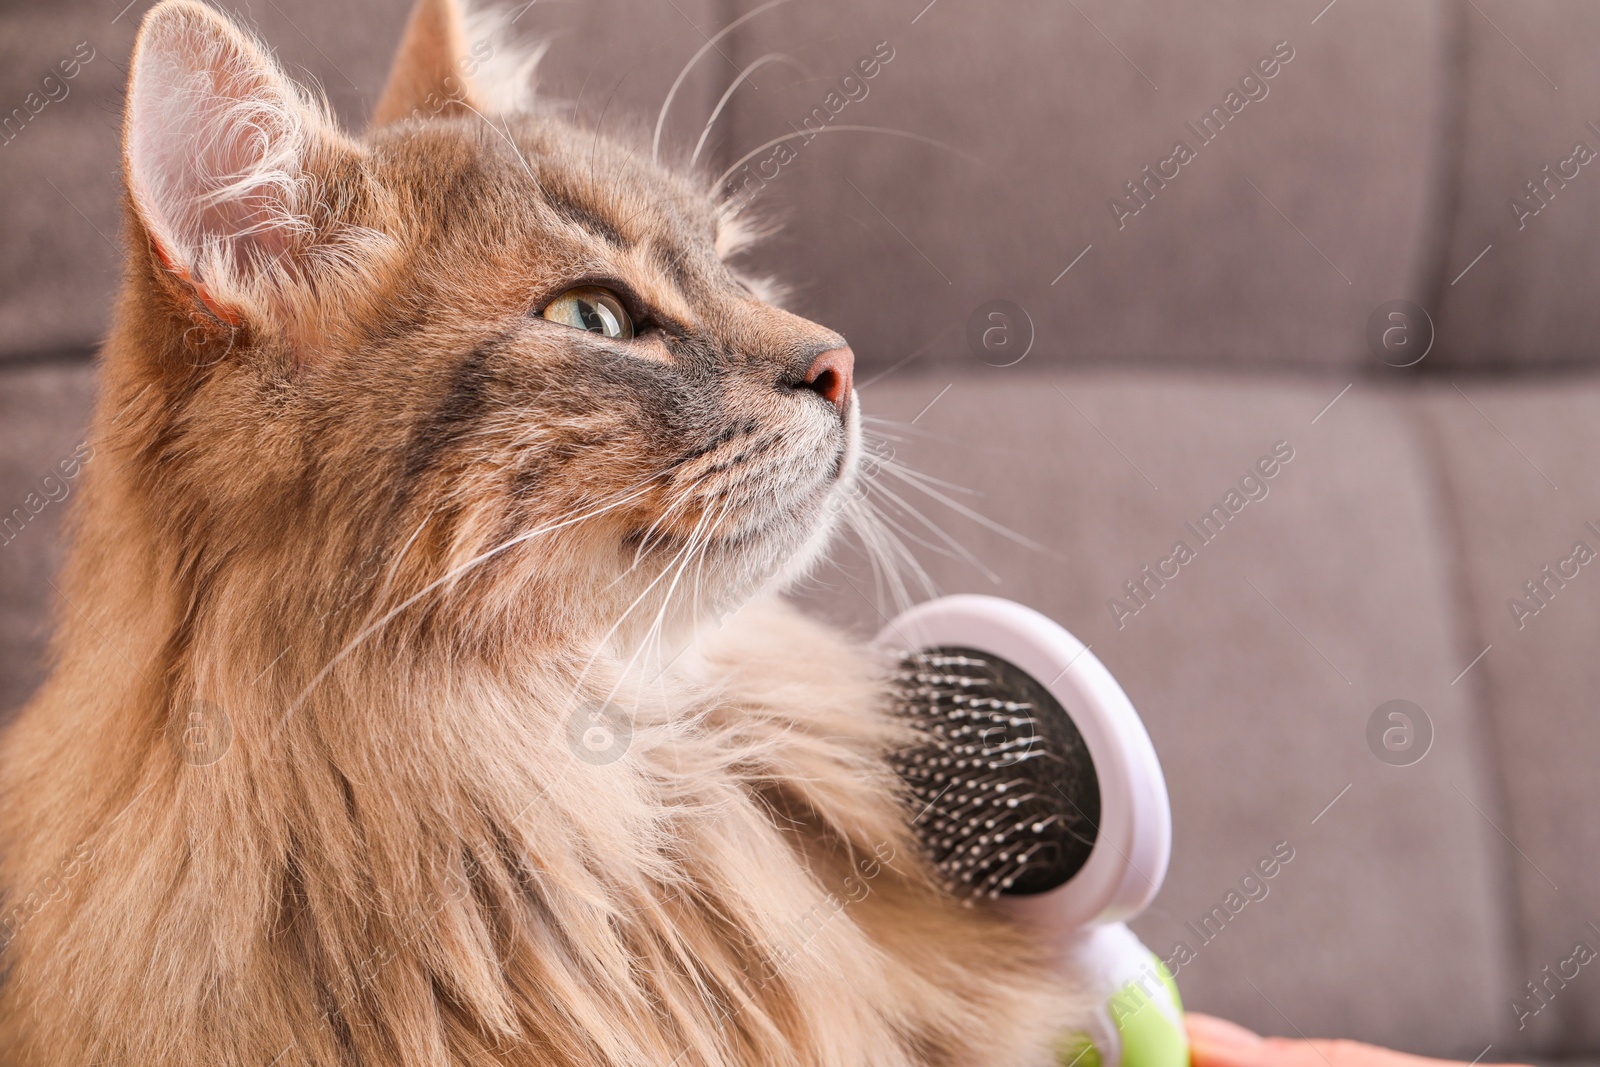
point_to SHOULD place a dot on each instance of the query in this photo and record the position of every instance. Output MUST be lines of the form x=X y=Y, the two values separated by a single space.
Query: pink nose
x=831 y=376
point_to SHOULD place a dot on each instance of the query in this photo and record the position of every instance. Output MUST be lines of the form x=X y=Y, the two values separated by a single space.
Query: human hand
x=1216 y=1042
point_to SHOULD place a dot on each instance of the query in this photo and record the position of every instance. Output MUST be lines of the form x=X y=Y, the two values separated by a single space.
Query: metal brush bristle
x=1007 y=794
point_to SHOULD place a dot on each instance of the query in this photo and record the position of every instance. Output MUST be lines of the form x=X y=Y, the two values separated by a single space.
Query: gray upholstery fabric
x=1527 y=99
x=1521 y=476
x=60 y=259
x=897 y=241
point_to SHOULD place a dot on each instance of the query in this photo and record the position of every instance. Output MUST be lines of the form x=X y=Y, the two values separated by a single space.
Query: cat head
x=479 y=363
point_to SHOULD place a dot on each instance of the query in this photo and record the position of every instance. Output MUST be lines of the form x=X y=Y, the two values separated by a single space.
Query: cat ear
x=455 y=62
x=428 y=75
x=218 y=143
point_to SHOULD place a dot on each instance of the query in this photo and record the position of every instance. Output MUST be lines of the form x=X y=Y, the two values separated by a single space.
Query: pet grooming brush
x=1038 y=788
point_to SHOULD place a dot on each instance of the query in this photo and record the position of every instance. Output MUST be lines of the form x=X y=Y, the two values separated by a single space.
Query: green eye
x=589 y=307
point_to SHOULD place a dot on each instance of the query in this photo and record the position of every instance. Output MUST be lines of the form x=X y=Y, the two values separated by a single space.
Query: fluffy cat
x=419 y=695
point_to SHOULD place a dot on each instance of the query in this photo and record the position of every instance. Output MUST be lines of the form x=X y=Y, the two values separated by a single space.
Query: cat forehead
x=542 y=169
x=562 y=203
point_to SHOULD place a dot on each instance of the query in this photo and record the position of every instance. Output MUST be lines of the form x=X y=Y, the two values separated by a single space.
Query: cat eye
x=591 y=308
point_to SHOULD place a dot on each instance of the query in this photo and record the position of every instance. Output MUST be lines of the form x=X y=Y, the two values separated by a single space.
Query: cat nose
x=831 y=376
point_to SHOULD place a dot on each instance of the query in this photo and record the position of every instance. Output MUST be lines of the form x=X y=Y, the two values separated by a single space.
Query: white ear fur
x=505 y=71
x=216 y=144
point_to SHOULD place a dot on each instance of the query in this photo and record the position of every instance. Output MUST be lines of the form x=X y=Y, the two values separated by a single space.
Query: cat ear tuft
x=455 y=61
x=503 y=65
x=217 y=145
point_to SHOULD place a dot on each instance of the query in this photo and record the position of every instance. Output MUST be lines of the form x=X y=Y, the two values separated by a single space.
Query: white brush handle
x=1140 y=1018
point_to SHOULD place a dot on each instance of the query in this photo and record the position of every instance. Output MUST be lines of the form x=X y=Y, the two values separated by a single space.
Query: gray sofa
x=1191 y=311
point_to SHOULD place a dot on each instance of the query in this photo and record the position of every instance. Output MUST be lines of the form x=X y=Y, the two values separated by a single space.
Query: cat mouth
x=784 y=500
x=797 y=519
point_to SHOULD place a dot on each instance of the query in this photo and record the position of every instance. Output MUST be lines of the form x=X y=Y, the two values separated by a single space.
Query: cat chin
x=789 y=560
x=793 y=552
x=778 y=539
x=835 y=499
x=811 y=551
x=766 y=558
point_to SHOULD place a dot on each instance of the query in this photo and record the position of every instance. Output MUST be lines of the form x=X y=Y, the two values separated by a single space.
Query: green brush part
x=1141 y=1025
x=1152 y=1033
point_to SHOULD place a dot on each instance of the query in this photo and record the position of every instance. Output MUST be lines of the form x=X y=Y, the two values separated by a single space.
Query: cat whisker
x=399 y=557
x=920 y=482
x=699 y=572
x=677 y=83
x=653 y=635
x=599 y=125
x=697 y=556
x=880 y=533
x=889 y=521
x=885 y=569
x=889 y=557
x=600 y=645
x=505 y=133
x=647 y=538
x=677 y=564
x=683 y=498
x=626 y=496
x=716 y=112
x=888 y=460
x=961 y=550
